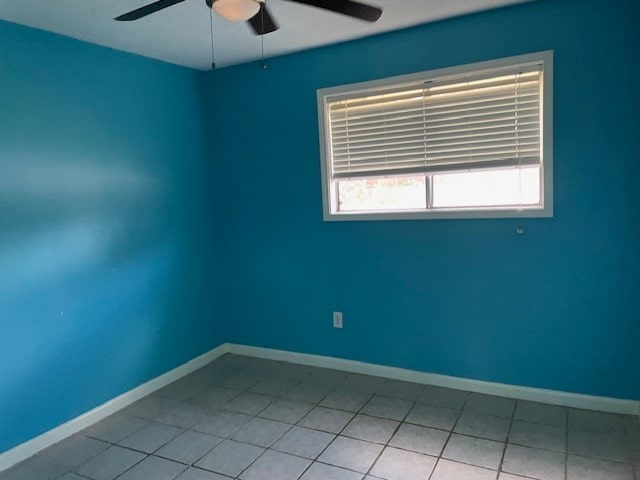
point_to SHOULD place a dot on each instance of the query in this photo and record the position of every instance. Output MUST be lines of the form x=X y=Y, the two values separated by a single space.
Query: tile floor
x=253 y=419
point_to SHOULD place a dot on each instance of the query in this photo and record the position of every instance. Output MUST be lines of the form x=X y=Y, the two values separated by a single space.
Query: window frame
x=472 y=69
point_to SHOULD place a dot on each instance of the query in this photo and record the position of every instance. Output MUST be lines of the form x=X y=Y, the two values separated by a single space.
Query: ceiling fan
x=256 y=14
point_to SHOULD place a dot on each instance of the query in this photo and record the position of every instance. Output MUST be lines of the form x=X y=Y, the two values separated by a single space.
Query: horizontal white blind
x=455 y=125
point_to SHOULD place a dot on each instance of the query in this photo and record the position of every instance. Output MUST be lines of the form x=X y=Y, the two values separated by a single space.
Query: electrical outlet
x=337 y=319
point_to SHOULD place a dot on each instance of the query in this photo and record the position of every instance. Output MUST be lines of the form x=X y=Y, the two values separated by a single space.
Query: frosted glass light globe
x=236 y=10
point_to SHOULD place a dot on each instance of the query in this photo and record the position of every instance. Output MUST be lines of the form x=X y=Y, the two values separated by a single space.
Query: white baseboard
x=25 y=450
x=553 y=397
x=57 y=434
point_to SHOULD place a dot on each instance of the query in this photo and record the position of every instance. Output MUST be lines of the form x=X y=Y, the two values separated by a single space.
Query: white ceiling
x=180 y=34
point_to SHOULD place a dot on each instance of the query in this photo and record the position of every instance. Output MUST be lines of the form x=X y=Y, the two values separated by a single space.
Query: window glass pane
x=505 y=187
x=389 y=193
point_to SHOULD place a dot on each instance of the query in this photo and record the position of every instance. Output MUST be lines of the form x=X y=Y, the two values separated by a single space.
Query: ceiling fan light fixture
x=236 y=10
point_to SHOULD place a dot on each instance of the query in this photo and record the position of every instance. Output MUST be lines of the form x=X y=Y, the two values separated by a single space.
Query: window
x=465 y=142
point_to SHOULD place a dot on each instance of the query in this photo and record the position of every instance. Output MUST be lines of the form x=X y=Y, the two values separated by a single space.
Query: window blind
x=490 y=121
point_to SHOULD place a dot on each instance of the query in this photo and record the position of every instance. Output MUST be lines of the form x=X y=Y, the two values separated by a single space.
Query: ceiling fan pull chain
x=213 y=56
x=263 y=65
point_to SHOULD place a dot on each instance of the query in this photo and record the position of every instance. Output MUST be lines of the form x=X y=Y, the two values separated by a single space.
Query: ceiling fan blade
x=262 y=22
x=346 y=7
x=147 y=10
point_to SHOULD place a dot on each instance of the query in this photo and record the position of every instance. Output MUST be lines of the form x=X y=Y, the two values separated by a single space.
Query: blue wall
x=555 y=308
x=107 y=228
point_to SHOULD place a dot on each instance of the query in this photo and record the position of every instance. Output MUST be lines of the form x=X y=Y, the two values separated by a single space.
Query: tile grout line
x=316 y=459
x=371 y=395
x=507 y=438
x=132 y=466
x=453 y=427
x=384 y=447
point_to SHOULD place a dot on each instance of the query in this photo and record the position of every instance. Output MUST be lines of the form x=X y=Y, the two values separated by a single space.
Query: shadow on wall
x=77 y=266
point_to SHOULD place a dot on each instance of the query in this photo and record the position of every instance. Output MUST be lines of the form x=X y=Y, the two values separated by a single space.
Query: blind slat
x=437 y=167
x=506 y=111
x=419 y=103
x=433 y=147
x=451 y=125
x=447 y=90
x=433 y=110
x=435 y=135
x=414 y=154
